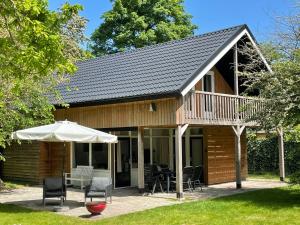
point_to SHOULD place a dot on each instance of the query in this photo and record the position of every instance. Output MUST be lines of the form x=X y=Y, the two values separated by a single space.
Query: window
x=196 y=131
x=81 y=154
x=100 y=156
x=208 y=82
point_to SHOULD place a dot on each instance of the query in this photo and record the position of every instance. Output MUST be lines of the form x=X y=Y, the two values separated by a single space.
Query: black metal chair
x=197 y=176
x=100 y=187
x=54 y=187
x=152 y=178
x=187 y=175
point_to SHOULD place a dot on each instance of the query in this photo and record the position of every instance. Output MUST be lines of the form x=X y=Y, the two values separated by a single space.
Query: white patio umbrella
x=64 y=131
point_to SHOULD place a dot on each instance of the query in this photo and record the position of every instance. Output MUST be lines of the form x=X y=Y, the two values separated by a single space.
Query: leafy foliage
x=137 y=23
x=263 y=155
x=37 y=48
x=279 y=88
x=295 y=178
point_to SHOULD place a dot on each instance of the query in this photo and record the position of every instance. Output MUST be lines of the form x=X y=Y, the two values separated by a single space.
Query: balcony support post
x=178 y=154
x=238 y=130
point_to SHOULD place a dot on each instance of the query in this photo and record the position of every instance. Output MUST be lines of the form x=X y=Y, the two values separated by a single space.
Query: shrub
x=295 y=178
x=263 y=155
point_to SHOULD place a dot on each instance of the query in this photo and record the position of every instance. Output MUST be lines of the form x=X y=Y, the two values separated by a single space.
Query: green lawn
x=265 y=176
x=273 y=206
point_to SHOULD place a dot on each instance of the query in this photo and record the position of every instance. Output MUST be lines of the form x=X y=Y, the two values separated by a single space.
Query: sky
x=208 y=15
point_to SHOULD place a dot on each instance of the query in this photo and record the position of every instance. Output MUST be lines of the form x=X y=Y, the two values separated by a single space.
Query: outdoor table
x=168 y=174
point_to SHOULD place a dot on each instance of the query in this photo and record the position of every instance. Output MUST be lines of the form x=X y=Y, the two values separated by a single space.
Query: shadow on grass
x=276 y=198
x=11 y=208
x=36 y=205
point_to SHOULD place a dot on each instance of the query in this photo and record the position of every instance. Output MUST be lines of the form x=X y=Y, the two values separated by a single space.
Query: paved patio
x=125 y=200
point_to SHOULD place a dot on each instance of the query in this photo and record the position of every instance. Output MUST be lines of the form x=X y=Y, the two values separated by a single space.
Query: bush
x=263 y=155
x=295 y=178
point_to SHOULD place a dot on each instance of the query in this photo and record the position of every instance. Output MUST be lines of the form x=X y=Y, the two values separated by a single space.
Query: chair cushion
x=100 y=183
x=96 y=194
x=53 y=183
x=53 y=194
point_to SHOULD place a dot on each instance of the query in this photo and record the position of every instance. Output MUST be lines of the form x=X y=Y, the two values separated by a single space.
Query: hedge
x=263 y=155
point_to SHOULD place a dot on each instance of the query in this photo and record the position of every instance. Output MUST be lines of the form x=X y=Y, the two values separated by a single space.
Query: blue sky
x=208 y=15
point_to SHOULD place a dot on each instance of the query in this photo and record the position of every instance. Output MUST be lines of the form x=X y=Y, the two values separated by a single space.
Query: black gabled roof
x=154 y=71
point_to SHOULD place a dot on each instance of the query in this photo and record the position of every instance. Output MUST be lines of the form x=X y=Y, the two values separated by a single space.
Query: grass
x=8 y=185
x=265 y=176
x=272 y=206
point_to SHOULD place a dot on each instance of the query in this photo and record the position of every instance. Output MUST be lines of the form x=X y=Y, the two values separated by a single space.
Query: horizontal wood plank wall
x=122 y=115
x=22 y=162
x=220 y=153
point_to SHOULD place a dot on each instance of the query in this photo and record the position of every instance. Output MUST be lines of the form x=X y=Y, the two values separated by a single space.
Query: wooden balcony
x=220 y=109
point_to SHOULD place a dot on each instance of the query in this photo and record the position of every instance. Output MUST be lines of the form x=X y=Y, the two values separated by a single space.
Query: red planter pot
x=95 y=207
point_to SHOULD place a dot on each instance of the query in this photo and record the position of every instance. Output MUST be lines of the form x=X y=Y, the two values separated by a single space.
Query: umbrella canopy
x=64 y=131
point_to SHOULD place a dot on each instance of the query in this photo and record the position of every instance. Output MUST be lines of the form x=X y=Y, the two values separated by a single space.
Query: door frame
x=115 y=161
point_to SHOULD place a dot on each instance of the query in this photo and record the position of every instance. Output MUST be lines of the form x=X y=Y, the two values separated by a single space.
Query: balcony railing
x=213 y=108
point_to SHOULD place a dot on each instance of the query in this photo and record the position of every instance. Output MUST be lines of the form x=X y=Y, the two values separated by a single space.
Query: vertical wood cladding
x=221 y=86
x=219 y=147
x=132 y=114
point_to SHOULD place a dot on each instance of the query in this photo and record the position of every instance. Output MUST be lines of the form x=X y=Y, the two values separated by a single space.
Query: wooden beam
x=151 y=146
x=90 y=154
x=183 y=128
x=236 y=70
x=178 y=152
x=109 y=156
x=238 y=131
x=187 y=148
x=281 y=153
x=141 y=182
x=171 y=154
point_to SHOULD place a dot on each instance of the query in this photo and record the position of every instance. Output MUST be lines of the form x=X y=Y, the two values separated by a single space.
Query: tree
x=38 y=47
x=280 y=88
x=138 y=23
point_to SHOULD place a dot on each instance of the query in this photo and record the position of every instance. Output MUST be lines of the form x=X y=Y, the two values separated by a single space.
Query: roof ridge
x=163 y=43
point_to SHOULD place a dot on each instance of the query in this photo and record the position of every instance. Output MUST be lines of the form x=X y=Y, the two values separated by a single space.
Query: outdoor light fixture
x=152 y=107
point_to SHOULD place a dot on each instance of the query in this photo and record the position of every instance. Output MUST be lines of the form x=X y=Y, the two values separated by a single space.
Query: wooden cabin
x=177 y=104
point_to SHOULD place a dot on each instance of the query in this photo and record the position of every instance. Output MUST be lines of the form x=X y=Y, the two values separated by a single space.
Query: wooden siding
x=22 y=162
x=132 y=114
x=219 y=152
x=51 y=159
x=34 y=161
x=221 y=86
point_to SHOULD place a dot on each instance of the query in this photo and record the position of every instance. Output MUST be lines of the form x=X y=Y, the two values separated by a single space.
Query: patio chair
x=54 y=187
x=100 y=187
x=196 y=179
x=187 y=175
x=152 y=178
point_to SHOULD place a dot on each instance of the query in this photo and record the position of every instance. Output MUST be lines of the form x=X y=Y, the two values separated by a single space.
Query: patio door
x=122 y=163
x=208 y=85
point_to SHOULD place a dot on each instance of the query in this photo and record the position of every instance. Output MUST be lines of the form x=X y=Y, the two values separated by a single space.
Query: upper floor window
x=208 y=84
